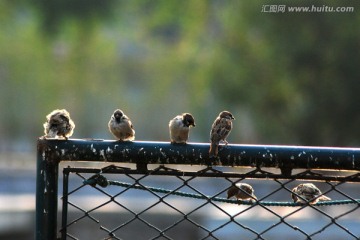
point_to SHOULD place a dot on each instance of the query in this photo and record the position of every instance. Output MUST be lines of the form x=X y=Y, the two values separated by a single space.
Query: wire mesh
x=114 y=202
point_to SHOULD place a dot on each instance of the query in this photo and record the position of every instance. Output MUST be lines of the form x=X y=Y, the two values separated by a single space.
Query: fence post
x=46 y=194
x=52 y=151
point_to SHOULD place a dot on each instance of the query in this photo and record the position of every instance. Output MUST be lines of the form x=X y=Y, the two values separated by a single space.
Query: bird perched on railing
x=219 y=131
x=58 y=124
x=307 y=192
x=179 y=127
x=121 y=127
x=242 y=191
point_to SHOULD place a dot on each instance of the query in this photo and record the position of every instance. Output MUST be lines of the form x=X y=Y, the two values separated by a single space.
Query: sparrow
x=58 y=124
x=179 y=127
x=306 y=192
x=241 y=191
x=219 y=131
x=121 y=127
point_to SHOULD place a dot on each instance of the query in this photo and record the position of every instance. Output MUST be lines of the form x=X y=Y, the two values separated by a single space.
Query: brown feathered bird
x=58 y=124
x=307 y=192
x=219 y=131
x=121 y=127
x=241 y=191
x=179 y=127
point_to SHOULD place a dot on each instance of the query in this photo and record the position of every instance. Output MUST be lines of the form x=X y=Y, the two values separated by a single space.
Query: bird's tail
x=324 y=198
x=213 y=152
x=253 y=197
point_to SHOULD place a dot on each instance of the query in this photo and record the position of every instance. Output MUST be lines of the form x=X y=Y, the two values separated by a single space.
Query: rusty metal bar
x=306 y=175
x=286 y=157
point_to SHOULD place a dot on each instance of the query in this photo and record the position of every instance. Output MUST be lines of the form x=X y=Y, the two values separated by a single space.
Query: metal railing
x=177 y=192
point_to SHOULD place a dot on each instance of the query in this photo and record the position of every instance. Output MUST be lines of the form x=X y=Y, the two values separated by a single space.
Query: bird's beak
x=232 y=118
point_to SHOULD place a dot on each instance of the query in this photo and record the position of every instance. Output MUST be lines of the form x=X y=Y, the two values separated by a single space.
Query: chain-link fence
x=160 y=195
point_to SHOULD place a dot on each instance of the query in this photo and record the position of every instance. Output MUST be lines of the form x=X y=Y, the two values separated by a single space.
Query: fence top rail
x=145 y=152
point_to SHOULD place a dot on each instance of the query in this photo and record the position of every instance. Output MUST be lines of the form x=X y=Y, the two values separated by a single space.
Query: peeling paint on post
x=46 y=193
x=51 y=152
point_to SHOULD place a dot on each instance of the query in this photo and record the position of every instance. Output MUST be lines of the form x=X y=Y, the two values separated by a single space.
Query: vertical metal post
x=65 y=205
x=46 y=195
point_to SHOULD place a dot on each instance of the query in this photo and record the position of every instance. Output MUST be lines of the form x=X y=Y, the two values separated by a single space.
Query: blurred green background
x=289 y=78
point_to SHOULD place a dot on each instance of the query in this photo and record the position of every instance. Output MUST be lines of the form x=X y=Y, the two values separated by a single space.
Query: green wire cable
x=103 y=182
